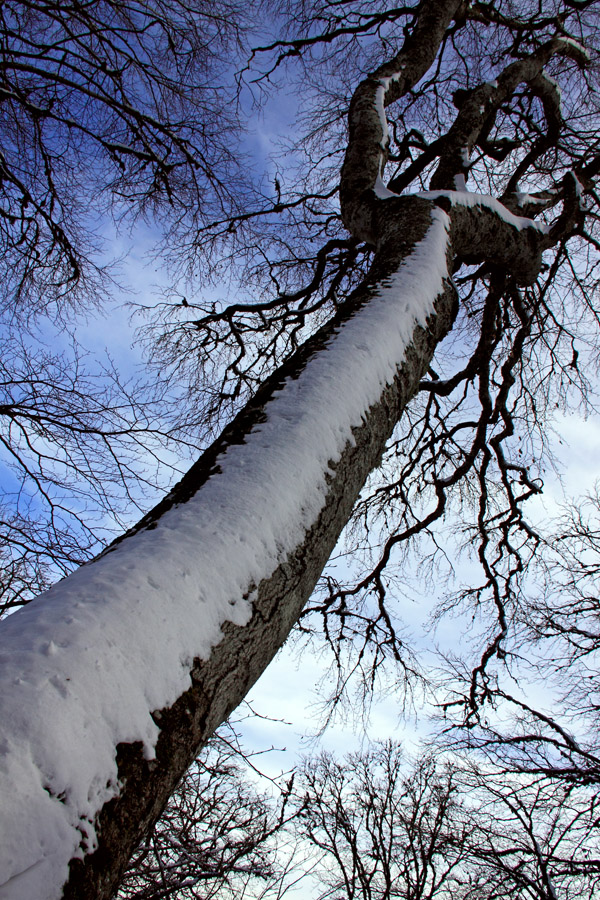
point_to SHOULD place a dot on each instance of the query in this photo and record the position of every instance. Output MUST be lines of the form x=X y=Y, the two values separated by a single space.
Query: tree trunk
x=47 y=698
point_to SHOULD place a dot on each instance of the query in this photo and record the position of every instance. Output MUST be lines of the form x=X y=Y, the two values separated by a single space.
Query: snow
x=554 y=85
x=579 y=189
x=463 y=197
x=380 y=107
x=381 y=189
x=380 y=92
x=84 y=666
x=525 y=199
x=468 y=198
x=571 y=42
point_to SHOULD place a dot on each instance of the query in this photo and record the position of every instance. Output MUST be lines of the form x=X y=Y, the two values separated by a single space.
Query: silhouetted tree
x=387 y=828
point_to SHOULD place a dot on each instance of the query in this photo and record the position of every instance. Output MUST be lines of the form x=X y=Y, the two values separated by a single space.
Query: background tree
x=82 y=448
x=531 y=837
x=380 y=831
x=376 y=823
x=107 y=106
x=477 y=85
x=548 y=726
x=386 y=828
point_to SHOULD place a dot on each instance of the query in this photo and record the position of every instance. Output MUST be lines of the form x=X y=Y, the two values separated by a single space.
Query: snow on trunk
x=84 y=666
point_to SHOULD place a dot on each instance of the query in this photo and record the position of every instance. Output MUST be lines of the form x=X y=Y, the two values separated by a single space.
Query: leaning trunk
x=118 y=675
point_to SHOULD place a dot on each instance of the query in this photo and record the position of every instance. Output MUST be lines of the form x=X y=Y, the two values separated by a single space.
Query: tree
x=556 y=633
x=382 y=832
x=106 y=105
x=218 y=573
x=441 y=830
x=80 y=446
x=531 y=837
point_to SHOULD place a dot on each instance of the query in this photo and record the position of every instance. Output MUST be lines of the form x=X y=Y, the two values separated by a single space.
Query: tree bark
x=220 y=683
